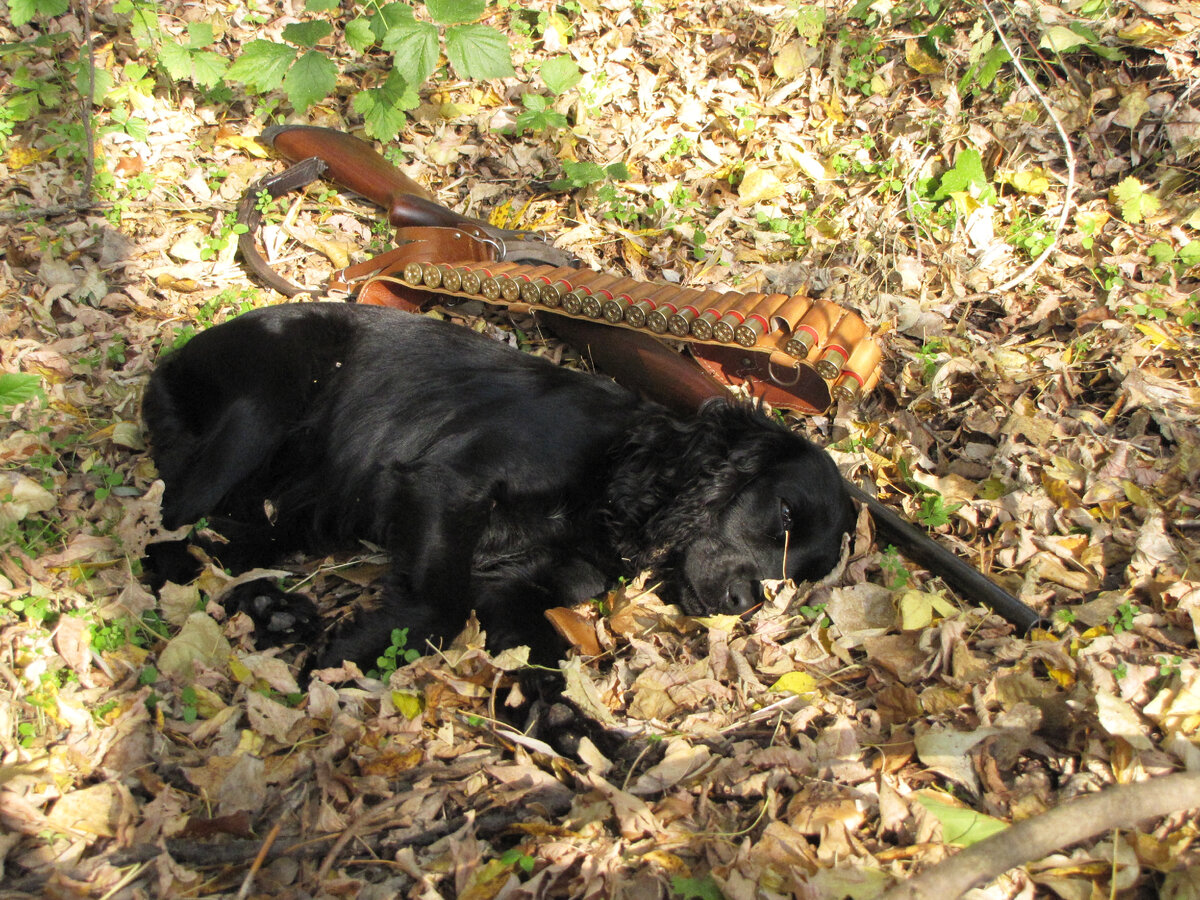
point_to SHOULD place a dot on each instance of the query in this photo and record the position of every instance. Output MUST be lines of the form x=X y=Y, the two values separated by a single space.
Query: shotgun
x=644 y=364
x=636 y=360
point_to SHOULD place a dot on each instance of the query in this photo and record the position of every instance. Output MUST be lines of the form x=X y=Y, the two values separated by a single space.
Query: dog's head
x=785 y=522
x=753 y=502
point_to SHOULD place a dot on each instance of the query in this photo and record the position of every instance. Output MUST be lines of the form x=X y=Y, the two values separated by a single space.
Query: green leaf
x=359 y=35
x=538 y=115
x=961 y=827
x=1161 y=252
x=202 y=67
x=17 y=388
x=200 y=35
x=101 y=86
x=394 y=15
x=415 y=45
x=382 y=108
x=578 y=175
x=617 y=171
x=208 y=68
x=321 y=5
x=479 y=52
x=22 y=11
x=455 y=12
x=176 y=60
x=262 y=65
x=967 y=173
x=560 y=73
x=1135 y=204
x=1189 y=253
x=306 y=34
x=311 y=79
x=702 y=888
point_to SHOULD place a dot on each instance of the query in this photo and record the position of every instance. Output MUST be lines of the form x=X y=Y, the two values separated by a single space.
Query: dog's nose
x=742 y=597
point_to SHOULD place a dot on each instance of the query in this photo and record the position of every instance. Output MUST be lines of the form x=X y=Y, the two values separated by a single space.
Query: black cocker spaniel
x=497 y=481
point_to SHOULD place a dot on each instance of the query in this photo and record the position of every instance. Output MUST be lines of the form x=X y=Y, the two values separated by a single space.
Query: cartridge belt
x=789 y=349
x=810 y=351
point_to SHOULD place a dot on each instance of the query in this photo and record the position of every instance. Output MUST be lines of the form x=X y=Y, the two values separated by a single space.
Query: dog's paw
x=279 y=617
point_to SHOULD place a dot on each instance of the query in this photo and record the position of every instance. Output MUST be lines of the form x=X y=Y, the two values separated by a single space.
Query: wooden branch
x=1032 y=839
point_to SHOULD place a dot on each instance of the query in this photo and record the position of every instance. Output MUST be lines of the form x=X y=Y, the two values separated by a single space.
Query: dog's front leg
x=435 y=522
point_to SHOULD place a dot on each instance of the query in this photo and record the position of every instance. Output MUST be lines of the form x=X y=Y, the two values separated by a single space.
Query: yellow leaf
x=1027 y=181
x=833 y=109
x=1158 y=337
x=916 y=610
x=240 y=672
x=1147 y=34
x=246 y=144
x=1061 y=677
x=759 y=184
x=799 y=683
x=1060 y=492
x=721 y=623
x=918 y=59
x=1137 y=496
x=407 y=703
x=791 y=61
x=20 y=157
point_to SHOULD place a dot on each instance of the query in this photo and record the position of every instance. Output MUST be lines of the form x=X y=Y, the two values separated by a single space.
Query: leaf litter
x=855 y=731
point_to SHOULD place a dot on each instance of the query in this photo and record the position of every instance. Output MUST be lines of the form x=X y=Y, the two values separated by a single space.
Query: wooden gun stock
x=355 y=165
x=644 y=364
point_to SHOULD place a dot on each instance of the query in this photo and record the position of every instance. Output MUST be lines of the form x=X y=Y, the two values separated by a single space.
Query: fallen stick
x=1032 y=839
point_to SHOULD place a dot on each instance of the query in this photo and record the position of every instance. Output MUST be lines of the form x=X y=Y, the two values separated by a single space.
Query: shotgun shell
x=547 y=276
x=636 y=312
x=451 y=278
x=680 y=324
x=413 y=275
x=619 y=297
x=702 y=325
x=664 y=307
x=553 y=292
x=510 y=287
x=470 y=281
x=712 y=303
x=758 y=320
x=431 y=275
x=860 y=373
x=813 y=328
x=851 y=388
x=531 y=288
x=572 y=302
x=596 y=290
x=725 y=329
x=492 y=279
x=848 y=332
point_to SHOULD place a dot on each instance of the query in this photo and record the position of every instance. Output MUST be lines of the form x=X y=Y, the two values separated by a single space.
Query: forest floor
x=1038 y=412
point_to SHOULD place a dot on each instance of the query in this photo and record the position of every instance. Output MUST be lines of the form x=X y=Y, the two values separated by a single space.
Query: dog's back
x=218 y=407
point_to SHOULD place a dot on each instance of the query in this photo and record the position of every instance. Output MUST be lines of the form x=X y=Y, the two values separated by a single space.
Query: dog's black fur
x=497 y=481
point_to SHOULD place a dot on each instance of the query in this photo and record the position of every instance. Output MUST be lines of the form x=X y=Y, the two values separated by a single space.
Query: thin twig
x=1030 y=269
x=88 y=101
x=268 y=843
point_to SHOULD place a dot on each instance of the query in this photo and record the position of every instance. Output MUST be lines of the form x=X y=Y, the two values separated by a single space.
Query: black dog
x=497 y=481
